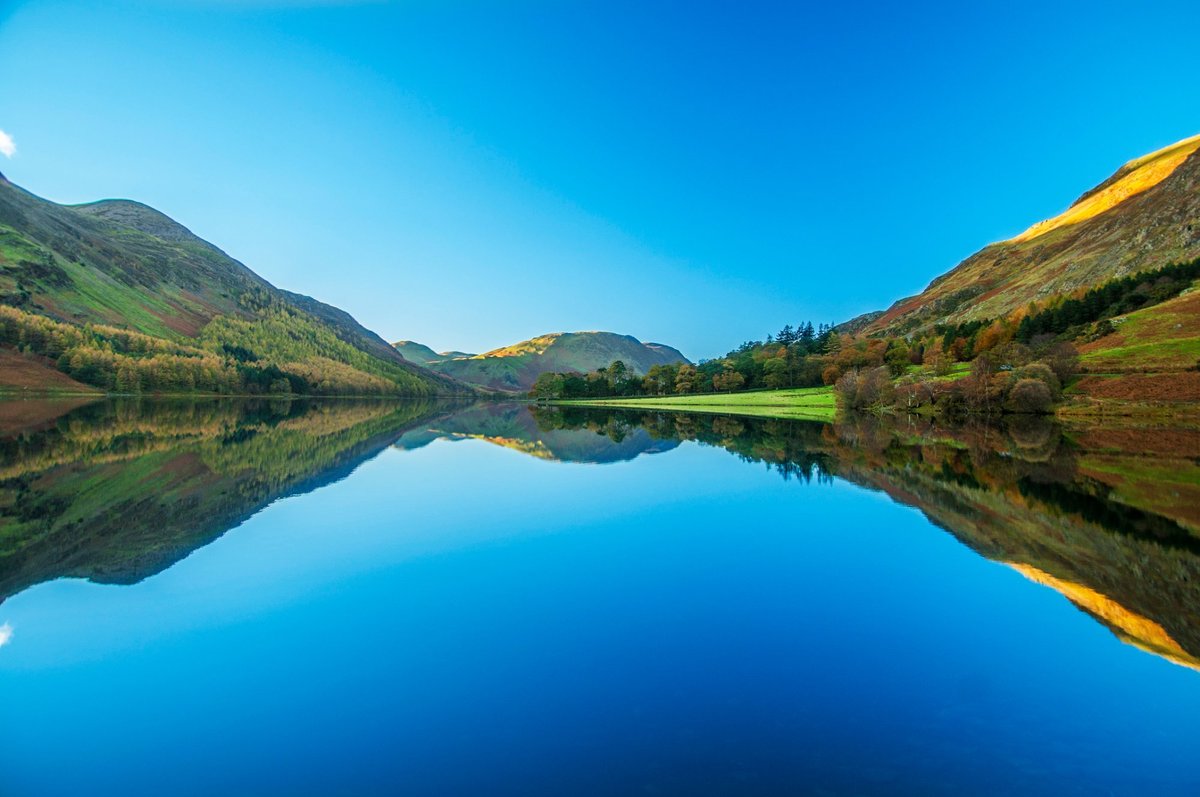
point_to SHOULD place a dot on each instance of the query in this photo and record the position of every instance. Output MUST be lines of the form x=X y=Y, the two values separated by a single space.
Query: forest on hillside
x=278 y=351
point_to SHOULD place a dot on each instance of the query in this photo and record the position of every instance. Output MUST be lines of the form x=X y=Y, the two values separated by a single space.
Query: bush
x=1030 y=396
x=859 y=389
x=1041 y=372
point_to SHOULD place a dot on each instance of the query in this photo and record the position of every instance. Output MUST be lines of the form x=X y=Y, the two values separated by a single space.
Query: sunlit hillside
x=1147 y=215
x=1133 y=178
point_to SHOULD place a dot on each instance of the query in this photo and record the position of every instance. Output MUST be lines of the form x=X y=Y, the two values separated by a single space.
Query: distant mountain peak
x=515 y=367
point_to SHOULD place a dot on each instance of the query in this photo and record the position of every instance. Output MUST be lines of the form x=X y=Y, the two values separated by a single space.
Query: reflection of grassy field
x=1166 y=487
x=814 y=403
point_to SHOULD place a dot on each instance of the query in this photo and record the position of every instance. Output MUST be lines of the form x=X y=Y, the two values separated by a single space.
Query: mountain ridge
x=514 y=368
x=1144 y=216
x=135 y=291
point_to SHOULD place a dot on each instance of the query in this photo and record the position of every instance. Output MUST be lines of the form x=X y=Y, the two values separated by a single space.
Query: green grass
x=1162 y=354
x=812 y=403
x=1160 y=337
x=97 y=295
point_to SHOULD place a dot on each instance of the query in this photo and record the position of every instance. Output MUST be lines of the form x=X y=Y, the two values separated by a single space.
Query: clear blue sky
x=472 y=174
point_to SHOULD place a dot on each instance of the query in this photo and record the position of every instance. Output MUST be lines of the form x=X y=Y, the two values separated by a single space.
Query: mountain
x=1147 y=215
x=515 y=368
x=421 y=354
x=121 y=297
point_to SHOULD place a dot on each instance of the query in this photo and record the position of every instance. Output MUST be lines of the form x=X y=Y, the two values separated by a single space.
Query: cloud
x=8 y=148
x=5 y=634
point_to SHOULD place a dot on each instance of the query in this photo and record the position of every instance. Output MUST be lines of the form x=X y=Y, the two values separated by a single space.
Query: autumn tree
x=729 y=379
x=685 y=380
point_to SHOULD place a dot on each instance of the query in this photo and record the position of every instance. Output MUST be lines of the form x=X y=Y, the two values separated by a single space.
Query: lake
x=370 y=598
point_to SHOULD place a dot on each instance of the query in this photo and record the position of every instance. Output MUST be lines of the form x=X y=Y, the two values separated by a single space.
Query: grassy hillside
x=515 y=368
x=1145 y=216
x=120 y=297
x=1151 y=357
x=1164 y=337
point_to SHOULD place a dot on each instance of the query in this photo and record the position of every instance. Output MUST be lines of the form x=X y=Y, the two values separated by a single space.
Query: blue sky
x=472 y=174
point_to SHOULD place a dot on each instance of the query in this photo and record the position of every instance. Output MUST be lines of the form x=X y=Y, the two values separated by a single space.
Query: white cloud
x=8 y=148
x=5 y=634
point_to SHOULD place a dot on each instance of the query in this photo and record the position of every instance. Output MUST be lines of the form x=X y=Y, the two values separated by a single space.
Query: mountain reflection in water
x=116 y=491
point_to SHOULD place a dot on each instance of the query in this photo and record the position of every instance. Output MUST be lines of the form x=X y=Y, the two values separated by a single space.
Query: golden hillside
x=1145 y=216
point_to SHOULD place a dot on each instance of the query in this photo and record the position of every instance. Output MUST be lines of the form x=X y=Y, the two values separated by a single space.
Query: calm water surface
x=372 y=599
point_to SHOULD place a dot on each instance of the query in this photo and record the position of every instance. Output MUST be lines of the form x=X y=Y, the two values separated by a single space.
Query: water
x=374 y=599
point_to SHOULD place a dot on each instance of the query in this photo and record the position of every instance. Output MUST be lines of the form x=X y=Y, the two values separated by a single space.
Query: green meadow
x=812 y=403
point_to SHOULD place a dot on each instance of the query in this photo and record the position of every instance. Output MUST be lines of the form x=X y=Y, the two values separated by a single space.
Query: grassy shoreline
x=815 y=403
x=819 y=404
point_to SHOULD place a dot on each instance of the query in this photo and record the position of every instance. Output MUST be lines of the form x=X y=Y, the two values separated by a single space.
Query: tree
x=845 y=389
x=875 y=388
x=729 y=379
x=659 y=380
x=1063 y=359
x=897 y=357
x=775 y=372
x=978 y=389
x=616 y=373
x=574 y=386
x=685 y=380
x=548 y=385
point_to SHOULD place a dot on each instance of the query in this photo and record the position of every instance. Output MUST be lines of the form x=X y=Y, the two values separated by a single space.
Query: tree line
x=1019 y=363
x=790 y=358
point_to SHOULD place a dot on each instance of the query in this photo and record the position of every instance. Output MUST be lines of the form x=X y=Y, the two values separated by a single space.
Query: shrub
x=1041 y=372
x=1030 y=396
x=870 y=388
